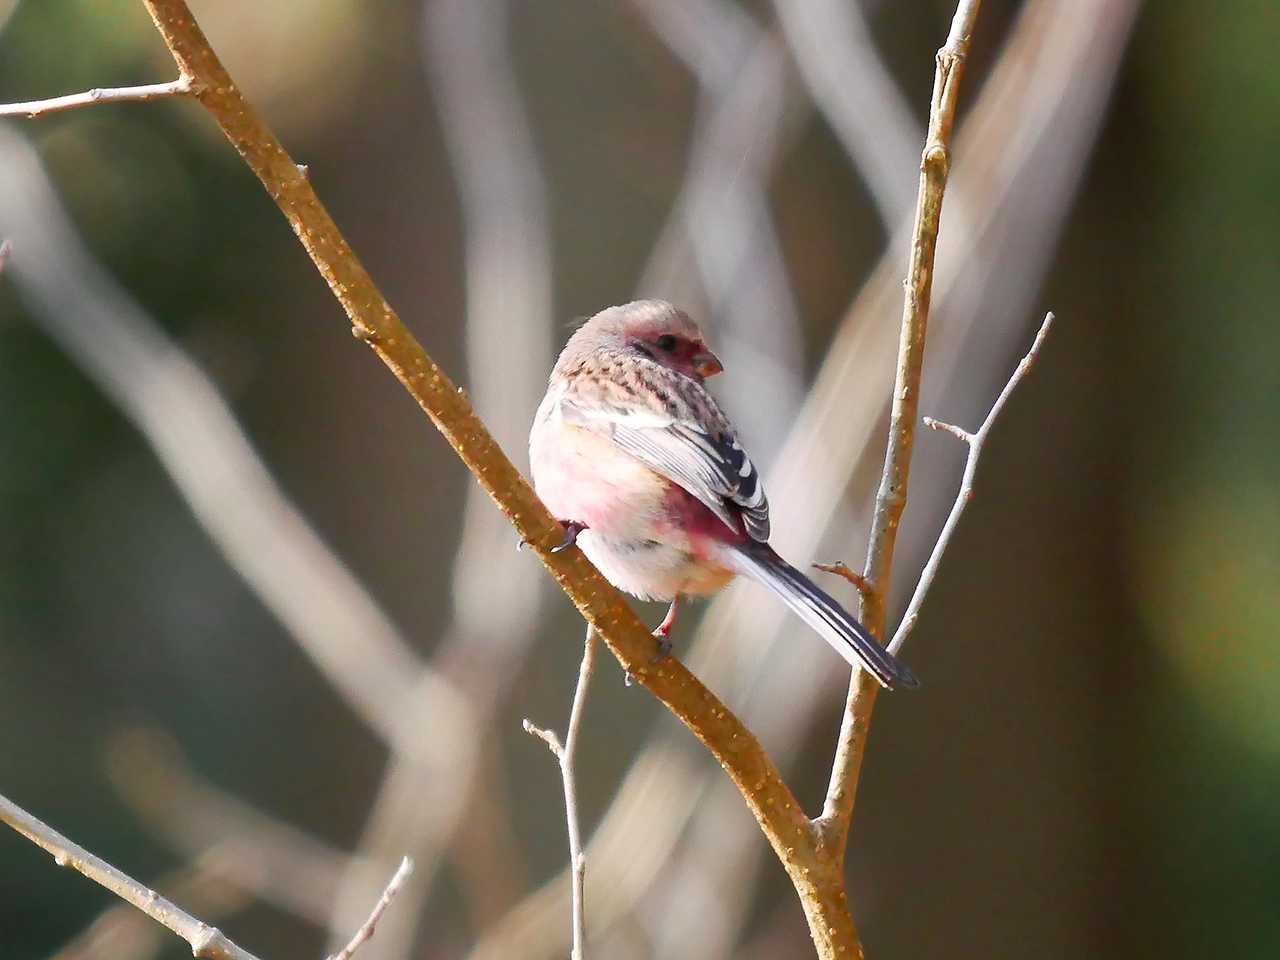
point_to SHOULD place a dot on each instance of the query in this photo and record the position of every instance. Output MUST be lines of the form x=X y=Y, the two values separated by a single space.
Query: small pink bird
x=634 y=456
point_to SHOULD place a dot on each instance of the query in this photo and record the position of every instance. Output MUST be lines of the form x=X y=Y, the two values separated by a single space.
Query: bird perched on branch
x=647 y=475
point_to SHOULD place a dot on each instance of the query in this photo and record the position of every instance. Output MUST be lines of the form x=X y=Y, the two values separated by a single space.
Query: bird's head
x=653 y=329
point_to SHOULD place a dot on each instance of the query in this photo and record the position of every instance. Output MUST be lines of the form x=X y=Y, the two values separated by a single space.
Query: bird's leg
x=571 y=530
x=663 y=631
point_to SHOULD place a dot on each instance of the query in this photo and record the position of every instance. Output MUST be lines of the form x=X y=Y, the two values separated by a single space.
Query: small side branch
x=974 y=442
x=366 y=929
x=182 y=87
x=206 y=941
x=565 y=754
x=864 y=586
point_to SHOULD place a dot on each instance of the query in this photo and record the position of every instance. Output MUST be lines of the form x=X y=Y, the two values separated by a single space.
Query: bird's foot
x=571 y=530
x=662 y=632
x=664 y=646
x=664 y=651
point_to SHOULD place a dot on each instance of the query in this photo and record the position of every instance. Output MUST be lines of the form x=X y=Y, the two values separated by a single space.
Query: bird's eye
x=666 y=342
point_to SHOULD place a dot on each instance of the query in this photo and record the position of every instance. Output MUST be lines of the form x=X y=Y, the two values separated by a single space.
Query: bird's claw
x=571 y=530
x=664 y=646
x=664 y=651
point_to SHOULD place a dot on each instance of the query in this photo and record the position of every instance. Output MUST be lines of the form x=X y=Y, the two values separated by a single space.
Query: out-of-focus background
x=260 y=635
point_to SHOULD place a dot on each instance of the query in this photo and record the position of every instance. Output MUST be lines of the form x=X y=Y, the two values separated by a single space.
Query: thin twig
x=366 y=930
x=842 y=569
x=974 y=442
x=207 y=884
x=565 y=754
x=182 y=87
x=205 y=941
x=935 y=163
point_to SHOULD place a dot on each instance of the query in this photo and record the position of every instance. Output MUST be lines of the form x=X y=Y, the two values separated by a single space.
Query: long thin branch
x=565 y=754
x=891 y=499
x=975 y=442
x=72 y=101
x=205 y=941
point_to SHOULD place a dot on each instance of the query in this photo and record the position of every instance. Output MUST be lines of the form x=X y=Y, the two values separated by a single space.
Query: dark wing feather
x=687 y=440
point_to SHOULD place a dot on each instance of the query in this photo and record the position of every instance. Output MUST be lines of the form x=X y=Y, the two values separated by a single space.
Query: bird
x=635 y=458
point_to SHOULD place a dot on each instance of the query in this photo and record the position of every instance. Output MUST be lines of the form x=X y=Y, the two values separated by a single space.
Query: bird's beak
x=707 y=364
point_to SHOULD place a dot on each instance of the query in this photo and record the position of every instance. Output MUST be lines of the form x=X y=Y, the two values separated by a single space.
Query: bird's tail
x=822 y=612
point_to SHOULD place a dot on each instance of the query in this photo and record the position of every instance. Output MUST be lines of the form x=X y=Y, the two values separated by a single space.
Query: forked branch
x=565 y=754
x=974 y=441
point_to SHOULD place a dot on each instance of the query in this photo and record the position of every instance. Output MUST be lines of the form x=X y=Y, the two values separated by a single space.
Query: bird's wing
x=670 y=423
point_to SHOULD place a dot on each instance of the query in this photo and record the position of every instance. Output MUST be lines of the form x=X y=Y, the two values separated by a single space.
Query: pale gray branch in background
x=194 y=434
x=508 y=333
x=721 y=221
x=277 y=862
x=859 y=98
x=180 y=413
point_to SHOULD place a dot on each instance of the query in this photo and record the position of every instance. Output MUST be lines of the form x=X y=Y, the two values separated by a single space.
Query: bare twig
x=565 y=754
x=974 y=442
x=842 y=569
x=366 y=930
x=205 y=941
x=891 y=499
x=182 y=87
x=206 y=885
